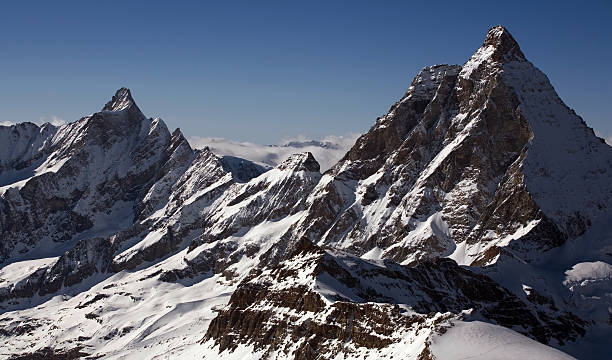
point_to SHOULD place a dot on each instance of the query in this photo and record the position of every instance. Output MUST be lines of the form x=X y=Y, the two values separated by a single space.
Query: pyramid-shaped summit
x=123 y=103
x=120 y=101
x=504 y=45
x=468 y=163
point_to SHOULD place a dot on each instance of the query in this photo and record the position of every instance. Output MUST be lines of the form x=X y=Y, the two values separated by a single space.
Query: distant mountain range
x=327 y=151
x=473 y=220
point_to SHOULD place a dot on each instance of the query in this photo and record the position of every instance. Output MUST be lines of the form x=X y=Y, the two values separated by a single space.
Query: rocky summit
x=471 y=220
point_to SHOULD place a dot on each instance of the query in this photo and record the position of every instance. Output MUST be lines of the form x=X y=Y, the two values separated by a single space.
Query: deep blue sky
x=262 y=71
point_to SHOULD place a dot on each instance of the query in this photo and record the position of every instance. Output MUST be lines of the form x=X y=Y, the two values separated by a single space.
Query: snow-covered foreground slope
x=471 y=221
x=131 y=314
x=481 y=341
x=120 y=317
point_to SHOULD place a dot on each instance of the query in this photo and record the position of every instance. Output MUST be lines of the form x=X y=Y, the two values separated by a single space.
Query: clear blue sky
x=262 y=71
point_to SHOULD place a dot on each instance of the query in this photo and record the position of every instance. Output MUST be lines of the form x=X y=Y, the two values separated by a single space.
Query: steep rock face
x=471 y=160
x=248 y=222
x=276 y=194
x=86 y=258
x=23 y=145
x=560 y=184
x=189 y=189
x=179 y=156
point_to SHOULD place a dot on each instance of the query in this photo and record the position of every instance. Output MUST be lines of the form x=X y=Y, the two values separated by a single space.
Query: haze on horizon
x=267 y=72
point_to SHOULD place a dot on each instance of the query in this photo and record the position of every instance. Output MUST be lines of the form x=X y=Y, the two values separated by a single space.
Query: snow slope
x=482 y=341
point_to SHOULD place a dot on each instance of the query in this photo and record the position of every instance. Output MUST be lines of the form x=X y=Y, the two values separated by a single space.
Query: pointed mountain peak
x=242 y=170
x=178 y=134
x=301 y=162
x=177 y=139
x=499 y=47
x=120 y=101
x=506 y=48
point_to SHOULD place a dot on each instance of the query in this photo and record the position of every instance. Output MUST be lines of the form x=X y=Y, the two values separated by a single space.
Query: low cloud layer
x=53 y=120
x=327 y=151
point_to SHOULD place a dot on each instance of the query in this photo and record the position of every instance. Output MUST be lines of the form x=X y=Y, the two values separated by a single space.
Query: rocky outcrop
x=85 y=259
x=23 y=146
x=273 y=308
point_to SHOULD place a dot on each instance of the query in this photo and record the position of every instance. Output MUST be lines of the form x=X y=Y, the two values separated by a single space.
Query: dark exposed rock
x=52 y=354
x=86 y=258
x=506 y=48
x=95 y=299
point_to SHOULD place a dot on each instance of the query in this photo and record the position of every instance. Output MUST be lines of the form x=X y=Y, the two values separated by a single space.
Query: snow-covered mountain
x=471 y=221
